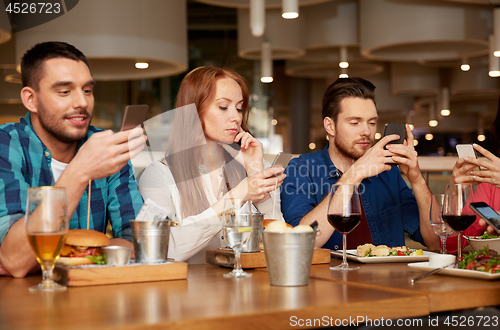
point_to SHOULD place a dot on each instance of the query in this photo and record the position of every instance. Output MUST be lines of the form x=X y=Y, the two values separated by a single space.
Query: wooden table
x=445 y=293
x=205 y=300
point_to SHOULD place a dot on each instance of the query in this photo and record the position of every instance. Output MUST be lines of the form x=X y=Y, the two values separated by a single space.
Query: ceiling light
x=257 y=17
x=141 y=65
x=415 y=142
x=344 y=64
x=480 y=129
x=432 y=116
x=429 y=136
x=343 y=73
x=290 y=9
x=494 y=61
x=411 y=126
x=274 y=122
x=312 y=145
x=445 y=102
x=378 y=136
x=266 y=63
x=465 y=67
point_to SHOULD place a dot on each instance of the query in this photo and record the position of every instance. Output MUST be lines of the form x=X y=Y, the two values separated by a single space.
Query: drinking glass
x=47 y=226
x=456 y=211
x=344 y=214
x=237 y=227
x=437 y=223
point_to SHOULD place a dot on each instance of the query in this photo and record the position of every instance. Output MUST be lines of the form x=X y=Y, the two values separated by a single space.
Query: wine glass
x=437 y=223
x=237 y=227
x=47 y=226
x=456 y=211
x=344 y=214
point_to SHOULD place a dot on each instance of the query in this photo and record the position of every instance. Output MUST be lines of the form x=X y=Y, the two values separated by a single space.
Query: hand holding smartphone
x=395 y=128
x=282 y=159
x=467 y=150
x=487 y=214
x=134 y=116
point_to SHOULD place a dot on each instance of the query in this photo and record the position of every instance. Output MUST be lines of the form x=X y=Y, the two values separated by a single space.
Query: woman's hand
x=251 y=148
x=490 y=171
x=258 y=187
x=461 y=172
x=250 y=155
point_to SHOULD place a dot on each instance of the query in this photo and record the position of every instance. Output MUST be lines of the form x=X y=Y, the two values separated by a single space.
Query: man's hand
x=406 y=156
x=375 y=161
x=105 y=153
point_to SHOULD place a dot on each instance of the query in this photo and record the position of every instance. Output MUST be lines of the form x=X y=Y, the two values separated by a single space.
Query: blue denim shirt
x=388 y=203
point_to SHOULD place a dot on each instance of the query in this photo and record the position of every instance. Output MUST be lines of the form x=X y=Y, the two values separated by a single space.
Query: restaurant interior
x=434 y=66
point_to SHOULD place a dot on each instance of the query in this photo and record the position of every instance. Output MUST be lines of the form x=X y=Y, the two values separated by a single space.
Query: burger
x=83 y=247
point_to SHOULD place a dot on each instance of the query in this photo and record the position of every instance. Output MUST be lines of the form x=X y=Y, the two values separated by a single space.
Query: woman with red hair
x=204 y=164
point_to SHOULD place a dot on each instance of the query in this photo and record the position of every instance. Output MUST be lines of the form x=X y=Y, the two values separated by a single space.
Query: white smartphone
x=466 y=150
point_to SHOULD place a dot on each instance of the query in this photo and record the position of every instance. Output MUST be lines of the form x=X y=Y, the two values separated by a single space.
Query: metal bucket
x=150 y=241
x=289 y=257
x=254 y=242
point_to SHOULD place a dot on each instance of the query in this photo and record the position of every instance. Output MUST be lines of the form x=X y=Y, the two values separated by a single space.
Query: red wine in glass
x=344 y=224
x=459 y=222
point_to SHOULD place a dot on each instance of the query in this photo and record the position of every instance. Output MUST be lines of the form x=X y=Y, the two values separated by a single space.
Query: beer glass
x=47 y=226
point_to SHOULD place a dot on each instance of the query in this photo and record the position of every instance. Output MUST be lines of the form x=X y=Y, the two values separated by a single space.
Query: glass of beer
x=47 y=226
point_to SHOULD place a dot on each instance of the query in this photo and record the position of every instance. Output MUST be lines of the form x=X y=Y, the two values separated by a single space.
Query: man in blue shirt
x=388 y=206
x=54 y=145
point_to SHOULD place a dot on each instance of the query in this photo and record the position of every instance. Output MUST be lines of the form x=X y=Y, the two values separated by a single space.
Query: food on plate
x=487 y=235
x=83 y=247
x=484 y=260
x=370 y=250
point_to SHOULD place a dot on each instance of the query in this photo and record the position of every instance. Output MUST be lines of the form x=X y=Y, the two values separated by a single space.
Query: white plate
x=351 y=255
x=456 y=272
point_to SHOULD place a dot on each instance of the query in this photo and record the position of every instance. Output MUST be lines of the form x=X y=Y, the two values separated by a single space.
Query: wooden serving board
x=225 y=258
x=133 y=273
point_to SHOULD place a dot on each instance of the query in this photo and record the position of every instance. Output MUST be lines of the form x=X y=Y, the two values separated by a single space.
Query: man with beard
x=54 y=145
x=388 y=206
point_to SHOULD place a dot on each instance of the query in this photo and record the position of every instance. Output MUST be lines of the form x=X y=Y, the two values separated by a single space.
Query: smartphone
x=282 y=159
x=395 y=128
x=487 y=214
x=466 y=150
x=134 y=116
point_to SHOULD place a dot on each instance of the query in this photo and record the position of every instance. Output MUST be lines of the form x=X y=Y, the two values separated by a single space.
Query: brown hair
x=342 y=88
x=184 y=148
x=33 y=60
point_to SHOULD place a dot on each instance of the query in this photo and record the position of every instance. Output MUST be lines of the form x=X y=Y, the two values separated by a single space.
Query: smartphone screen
x=395 y=128
x=487 y=214
x=134 y=116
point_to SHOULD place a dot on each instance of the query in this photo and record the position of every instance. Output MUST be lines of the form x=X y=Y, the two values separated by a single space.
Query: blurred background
x=432 y=61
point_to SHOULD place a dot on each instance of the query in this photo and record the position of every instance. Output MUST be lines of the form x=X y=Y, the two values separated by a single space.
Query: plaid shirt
x=25 y=162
